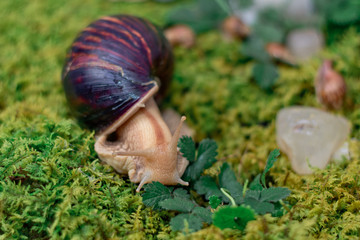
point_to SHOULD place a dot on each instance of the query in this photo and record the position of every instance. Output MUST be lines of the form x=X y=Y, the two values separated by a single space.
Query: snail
x=330 y=86
x=112 y=72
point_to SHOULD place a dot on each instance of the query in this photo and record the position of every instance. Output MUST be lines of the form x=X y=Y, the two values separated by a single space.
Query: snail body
x=113 y=70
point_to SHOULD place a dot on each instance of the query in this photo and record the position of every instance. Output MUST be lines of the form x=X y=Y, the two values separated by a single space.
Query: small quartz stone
x=305 y=43
x=310 y=136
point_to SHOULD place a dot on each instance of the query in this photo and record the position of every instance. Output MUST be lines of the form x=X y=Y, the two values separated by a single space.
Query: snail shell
x=180 y=35
x=112 y=72
x=330 y=86
x=233 y=28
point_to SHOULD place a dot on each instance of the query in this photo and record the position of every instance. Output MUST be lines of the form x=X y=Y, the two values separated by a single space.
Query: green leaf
x=245 y=3
x=225 y=6
x=155 y=192
x=255 y=184
x=177 y=204
x=259 y=207
x=233 y=217
x=187 y=148
x=279 y=210
x=207 y=152
x=203 y=213
x=181 y=193
x=205 y=159
x=214 y=201
x=274 y=194
x=349 y=11
x=186 y=221
x=268 y=32
x=207 y=186
x=269 y=163
x=201 y=15
x=253 y=194
x=265 y=74
x=227 y=180
x=254 y=47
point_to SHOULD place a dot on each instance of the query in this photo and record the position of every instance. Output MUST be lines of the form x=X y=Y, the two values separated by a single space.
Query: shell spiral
x=111 y=65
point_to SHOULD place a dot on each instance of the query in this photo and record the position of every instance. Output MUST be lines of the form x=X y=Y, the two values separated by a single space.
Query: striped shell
x=112 y=65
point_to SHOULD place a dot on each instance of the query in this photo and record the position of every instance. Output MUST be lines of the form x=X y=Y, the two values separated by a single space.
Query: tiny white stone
x=248 y=15
x=342 y=153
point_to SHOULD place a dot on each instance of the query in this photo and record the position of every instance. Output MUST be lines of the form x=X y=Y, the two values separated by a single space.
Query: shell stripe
x=72 y=56
x=92 y=38
x=115 y=28
x=134 y=32
x=121 y=33
x=88 y=47
x=114 y=44
x=145 y=26
x=99 y=63
x=144 y=43
x=109 y=35
x=153 y=28
x=117 y=47
x=148 y=50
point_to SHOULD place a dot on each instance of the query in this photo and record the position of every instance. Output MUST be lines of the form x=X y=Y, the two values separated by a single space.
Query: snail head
x=162 y=162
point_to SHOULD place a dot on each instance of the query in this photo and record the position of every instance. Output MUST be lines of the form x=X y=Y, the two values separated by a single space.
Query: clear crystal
x=310 y=136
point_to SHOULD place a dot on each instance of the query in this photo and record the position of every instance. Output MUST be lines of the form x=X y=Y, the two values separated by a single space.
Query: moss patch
x=52 y=185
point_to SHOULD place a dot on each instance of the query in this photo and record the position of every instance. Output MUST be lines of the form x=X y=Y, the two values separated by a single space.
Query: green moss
x=52 y=185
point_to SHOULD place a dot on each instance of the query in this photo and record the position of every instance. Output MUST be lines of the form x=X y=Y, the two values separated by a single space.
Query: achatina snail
x=111 y=75
x=330 y=86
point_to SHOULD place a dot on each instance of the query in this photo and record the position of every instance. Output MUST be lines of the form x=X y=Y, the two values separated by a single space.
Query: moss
x=52 y=185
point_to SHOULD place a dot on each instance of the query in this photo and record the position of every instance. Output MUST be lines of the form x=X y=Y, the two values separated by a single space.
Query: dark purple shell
x=111 y=65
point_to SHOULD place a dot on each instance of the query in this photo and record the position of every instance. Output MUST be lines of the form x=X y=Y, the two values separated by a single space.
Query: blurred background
x=238 y=62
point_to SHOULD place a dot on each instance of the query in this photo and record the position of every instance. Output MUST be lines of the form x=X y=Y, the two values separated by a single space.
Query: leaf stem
x=227 y=194
x=245 y=187
x=225 y=6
